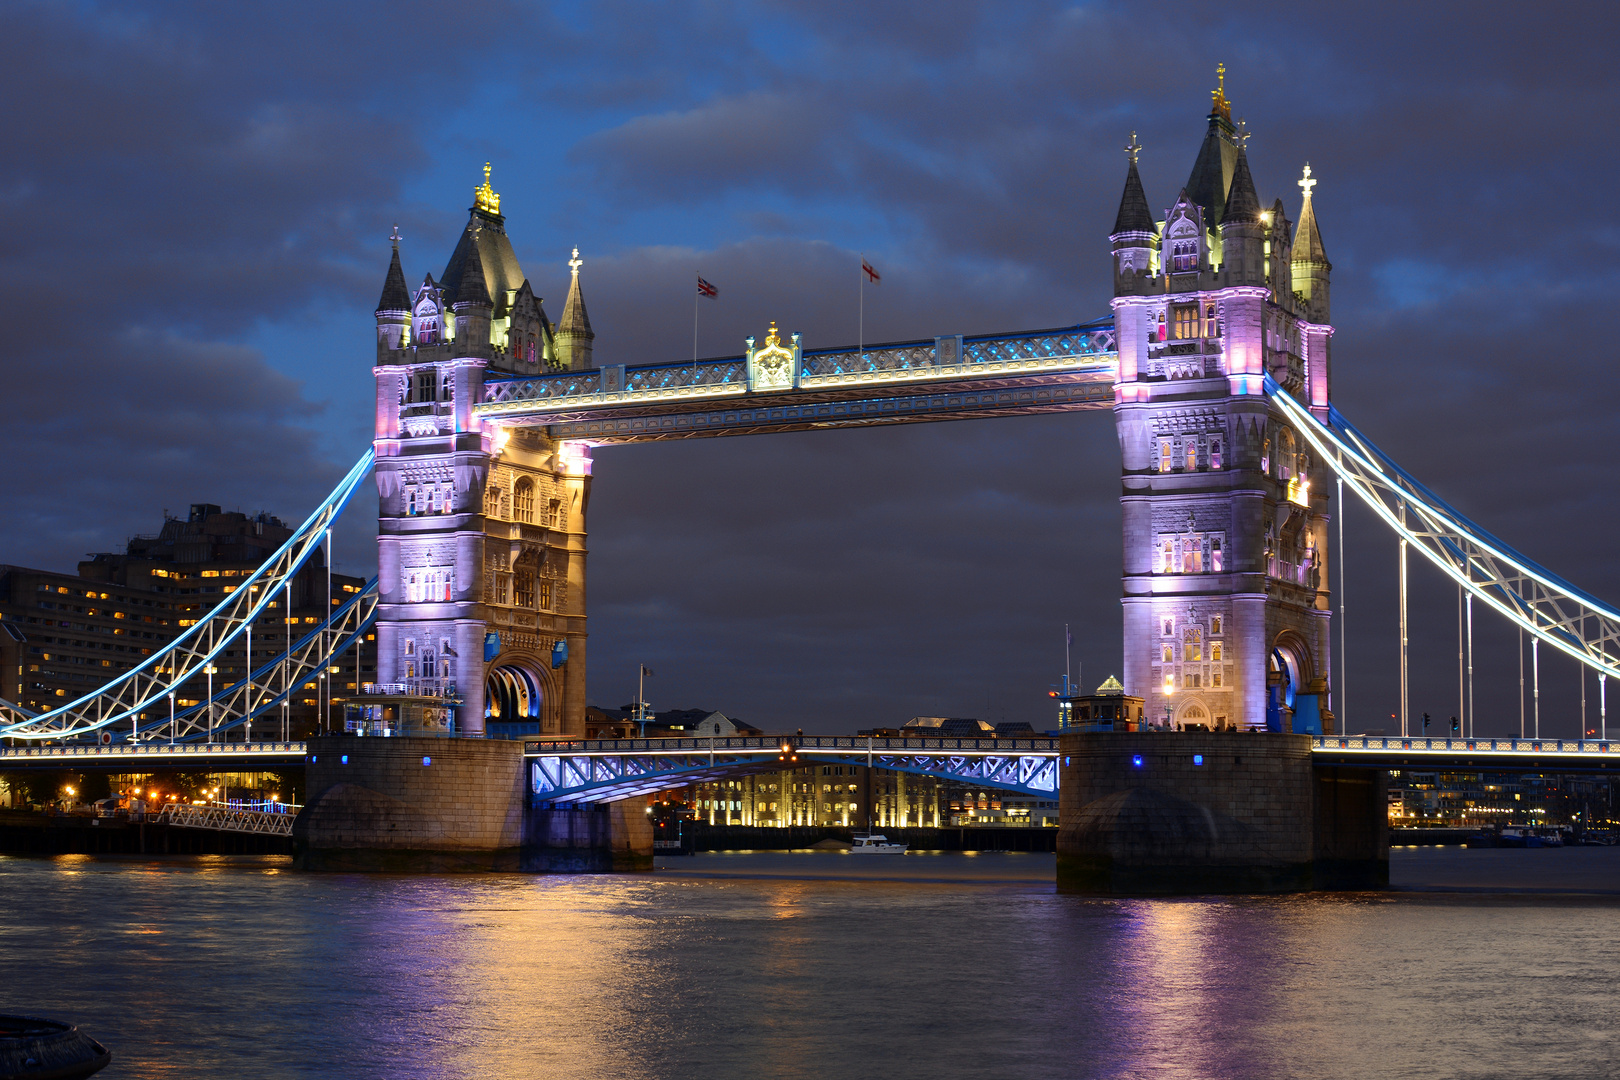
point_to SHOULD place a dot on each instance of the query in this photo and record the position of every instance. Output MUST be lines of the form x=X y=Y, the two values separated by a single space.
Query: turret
x=1135 y=237
x=573 y=333
x=1310 y=263
x=394 y=307
x=473 y=306
x=1242 y=234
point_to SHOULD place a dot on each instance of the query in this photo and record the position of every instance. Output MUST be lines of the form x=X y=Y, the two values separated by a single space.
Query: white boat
x=875 y=845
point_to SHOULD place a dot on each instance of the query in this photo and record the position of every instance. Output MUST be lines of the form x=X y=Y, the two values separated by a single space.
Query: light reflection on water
x=788 y=968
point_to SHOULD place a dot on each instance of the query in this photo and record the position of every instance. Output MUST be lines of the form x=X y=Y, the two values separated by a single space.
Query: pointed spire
x=1307 y=240
x=1242 y=204
x=395 y=296
x=574 y=319
x=472 y=288
x=1134 y=215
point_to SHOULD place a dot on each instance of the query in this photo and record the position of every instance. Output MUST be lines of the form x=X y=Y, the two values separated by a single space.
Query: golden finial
x=1133 y=148
x=772 y=338
x=1221 y=105
x=576 y=262
x=1307 y=183
x=484 y=198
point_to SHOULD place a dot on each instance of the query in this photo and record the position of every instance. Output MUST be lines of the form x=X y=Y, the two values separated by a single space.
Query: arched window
x=1215 y=650
x=1184 y=255
x=1168 y=654
x=1192 y=557
x=1168 y=565
x=1164 y=455
x=1216 y=562
x=492 y=501
x=1192 y=455
x=523 y=498
x=1214 y=453
x=410 y=646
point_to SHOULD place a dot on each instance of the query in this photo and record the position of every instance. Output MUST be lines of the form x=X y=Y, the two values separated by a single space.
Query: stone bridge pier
x=1165 y=813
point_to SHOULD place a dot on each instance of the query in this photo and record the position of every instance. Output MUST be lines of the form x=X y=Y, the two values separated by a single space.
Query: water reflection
x=225 y=968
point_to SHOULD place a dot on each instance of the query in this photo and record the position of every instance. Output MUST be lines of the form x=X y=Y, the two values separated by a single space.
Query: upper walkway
x=958 y=377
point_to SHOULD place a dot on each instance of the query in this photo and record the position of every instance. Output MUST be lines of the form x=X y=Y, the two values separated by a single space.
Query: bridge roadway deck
x=740 y=756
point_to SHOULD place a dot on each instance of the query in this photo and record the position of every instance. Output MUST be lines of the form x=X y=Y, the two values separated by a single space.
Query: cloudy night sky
x=197 y=198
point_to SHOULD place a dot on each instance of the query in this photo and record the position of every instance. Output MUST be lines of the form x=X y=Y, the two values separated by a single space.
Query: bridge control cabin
x=1110 y=708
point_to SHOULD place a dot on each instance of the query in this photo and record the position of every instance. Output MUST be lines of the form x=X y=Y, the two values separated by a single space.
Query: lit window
x=1186 y=316
x=1215 y=677
x=1195 y=651
x=1215 y=566
x=1192 y=456
x=1214 y=650
x=1215 y=624
x=1184 y=257
x=523 y=586
x=1164 y=455
x=1169 y=625
x=523 y=498
x=1168 y=655
x=1168 y=566
x=1214 y=453
x=1212 y=325
x=1192 y=560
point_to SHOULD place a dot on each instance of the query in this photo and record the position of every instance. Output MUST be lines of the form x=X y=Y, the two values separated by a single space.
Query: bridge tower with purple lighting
x=1225 y=514
x=480 y=526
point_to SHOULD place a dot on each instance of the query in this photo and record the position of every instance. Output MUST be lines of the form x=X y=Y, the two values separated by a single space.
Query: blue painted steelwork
x=603 y=770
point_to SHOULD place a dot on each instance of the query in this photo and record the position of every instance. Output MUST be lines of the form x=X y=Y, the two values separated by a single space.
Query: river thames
x=939 y=966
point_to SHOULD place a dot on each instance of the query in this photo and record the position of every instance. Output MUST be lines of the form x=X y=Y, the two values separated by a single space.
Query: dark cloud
x=182 y=180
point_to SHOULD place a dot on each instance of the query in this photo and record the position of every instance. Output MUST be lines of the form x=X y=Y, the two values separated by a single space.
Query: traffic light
x=1456 y=726
x=1425 y=721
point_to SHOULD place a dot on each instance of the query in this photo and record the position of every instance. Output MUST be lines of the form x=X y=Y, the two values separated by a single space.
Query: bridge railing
x=143 y=754
x=842 y=744
x=1516 y=747
x=223 y=818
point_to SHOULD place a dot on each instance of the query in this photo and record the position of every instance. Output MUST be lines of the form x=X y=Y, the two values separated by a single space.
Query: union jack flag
x=705 y=289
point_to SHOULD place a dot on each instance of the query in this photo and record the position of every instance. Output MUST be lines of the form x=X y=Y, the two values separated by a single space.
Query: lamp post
x=210 y=702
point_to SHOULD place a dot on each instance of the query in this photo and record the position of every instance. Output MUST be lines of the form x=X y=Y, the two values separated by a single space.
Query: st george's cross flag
x=871 y=275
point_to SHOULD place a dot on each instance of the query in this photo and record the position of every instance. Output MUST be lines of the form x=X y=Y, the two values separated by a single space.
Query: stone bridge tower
x=480 y=528
x=1225 y=514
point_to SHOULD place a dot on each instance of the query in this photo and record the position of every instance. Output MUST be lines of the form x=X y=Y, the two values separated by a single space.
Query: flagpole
x=1067 y=686
x=697 y=294
x=860 y=333
x=641 y=693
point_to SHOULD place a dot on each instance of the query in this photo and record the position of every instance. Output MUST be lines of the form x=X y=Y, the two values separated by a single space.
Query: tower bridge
x=1216 y=364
